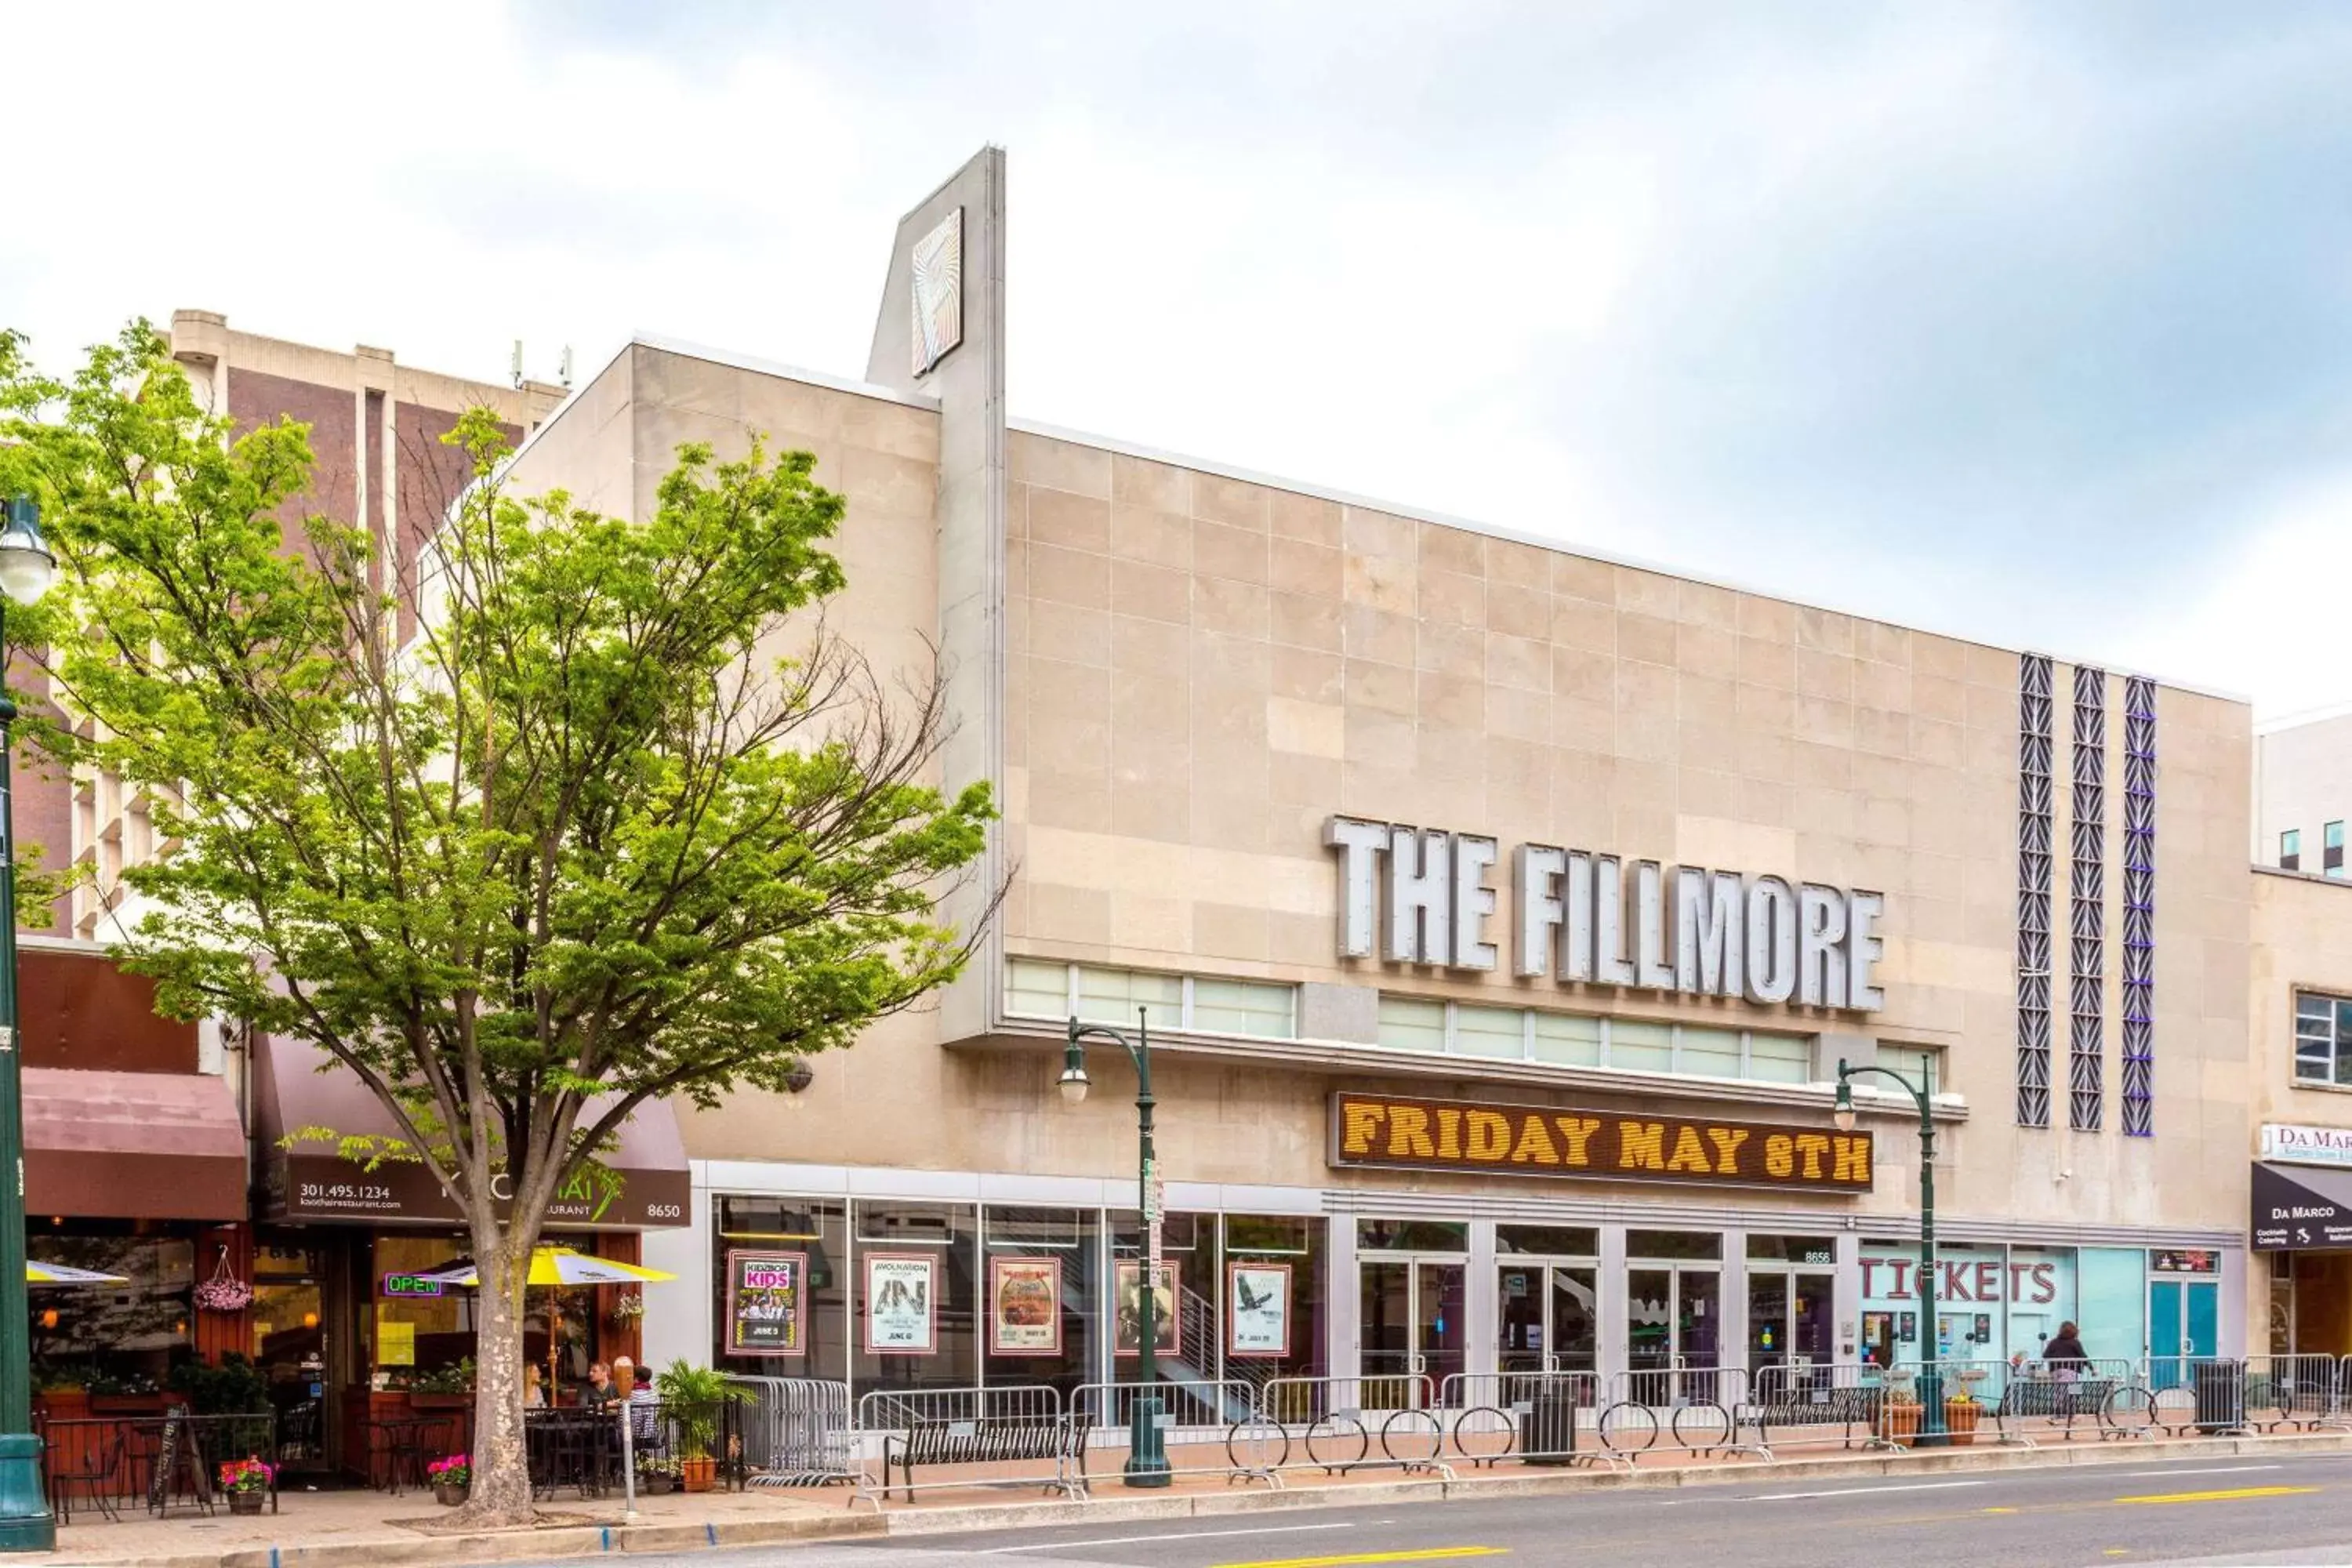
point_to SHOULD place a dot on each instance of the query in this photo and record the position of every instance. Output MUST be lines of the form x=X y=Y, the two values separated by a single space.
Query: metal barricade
x=796 y=1431
x=993 y=1437
x=1796 y=1404
x=1536 y=1417
x=1207 y=1426
x=2102 y=1398
x=1687 y=1407
x=2197 y=1393
x=2299 y=1391
x=1342 y=1424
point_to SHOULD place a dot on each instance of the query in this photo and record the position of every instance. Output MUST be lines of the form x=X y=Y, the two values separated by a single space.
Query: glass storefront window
x=1549 y=1241
x=1713 y=1053
x=1272 y=1285
x=817 y=1231
x=408 y=1335
x=1039 y=1293
x=1673 y=1244
x=1641 y=1047
x=1410 y=1026
x=917 y=1267
x=1569 y=1039
x=1411 y=1236
x=114 y=1338
x=1490 y=1032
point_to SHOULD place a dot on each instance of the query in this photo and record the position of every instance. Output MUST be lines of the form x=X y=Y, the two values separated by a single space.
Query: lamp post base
x=1147 y=1445
x=25 y=1524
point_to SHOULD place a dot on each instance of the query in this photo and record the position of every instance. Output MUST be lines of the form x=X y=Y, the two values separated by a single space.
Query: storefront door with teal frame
x=2184 y=1321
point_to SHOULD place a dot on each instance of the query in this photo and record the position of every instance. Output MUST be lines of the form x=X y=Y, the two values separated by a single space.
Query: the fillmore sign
x=1391 y=1129
x=1424 y=895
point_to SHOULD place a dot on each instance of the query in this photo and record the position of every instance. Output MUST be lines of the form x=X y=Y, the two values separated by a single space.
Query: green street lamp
x=26 y=570
x=1931 y=1434
x=1146 y=1452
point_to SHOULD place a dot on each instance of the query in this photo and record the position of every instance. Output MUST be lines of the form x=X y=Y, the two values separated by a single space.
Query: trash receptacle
x=1547 y=1427
x=2220 y=1388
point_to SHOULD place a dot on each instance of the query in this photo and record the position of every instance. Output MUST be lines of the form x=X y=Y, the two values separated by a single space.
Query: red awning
x=644 y=1184
x=132 y=1145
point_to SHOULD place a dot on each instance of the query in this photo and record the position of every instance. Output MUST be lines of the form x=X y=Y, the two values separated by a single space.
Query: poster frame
x=998 y=1267
x=799 y=1349
x=930 y=1302
x=1126 y=1268
x=1232 y=1294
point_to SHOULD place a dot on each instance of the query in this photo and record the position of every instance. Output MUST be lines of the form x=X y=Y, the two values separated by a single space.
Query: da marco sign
x=1426 y=896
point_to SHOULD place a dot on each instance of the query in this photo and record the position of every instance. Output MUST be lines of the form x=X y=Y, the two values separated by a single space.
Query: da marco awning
x=643 y=1185
x=2301 y=1207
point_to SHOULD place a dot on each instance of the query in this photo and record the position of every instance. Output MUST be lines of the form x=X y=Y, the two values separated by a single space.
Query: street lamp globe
x=1843 y=1112
x=1074 y=1084
x=26 y=567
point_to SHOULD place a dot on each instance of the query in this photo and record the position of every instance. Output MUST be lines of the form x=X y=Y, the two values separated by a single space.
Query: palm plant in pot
x=693 y=1397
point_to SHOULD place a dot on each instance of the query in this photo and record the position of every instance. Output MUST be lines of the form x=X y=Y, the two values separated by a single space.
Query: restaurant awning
x=132 y=1145
x=644 y=1184
x=2301 y=1207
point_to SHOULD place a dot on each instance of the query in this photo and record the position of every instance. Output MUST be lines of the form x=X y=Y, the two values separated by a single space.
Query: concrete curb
x=595 y=1540
x=1109 y=1509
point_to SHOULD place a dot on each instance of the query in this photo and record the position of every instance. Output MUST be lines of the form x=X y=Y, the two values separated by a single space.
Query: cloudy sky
x=2029 y=322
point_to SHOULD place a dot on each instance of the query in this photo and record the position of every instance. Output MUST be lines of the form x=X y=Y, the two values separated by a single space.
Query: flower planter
x=439 y=1401
x=248 y=1502
x=1902 y=1422
x=448 y=1496
x=697 y=1474
x=1960 y=1421
x=656 y=1483
x=127 y=1403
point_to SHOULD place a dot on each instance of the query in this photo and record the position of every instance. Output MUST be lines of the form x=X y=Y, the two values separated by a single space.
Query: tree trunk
x=501 y=1489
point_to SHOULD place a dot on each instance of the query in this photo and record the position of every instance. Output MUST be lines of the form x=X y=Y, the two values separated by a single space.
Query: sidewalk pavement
x=372 y=1530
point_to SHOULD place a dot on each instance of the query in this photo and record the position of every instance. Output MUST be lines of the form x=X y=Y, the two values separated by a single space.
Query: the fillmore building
x=1500 y=913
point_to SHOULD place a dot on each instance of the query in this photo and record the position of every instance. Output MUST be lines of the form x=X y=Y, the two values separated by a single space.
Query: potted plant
x=246 y=1482
x=234 y=1387
x=656 y=1477
x=446 y=1388
x=628 y=1307
x=1961 y=1412
x=694 y=1395
x=451 y=1477
x=1902 y=1418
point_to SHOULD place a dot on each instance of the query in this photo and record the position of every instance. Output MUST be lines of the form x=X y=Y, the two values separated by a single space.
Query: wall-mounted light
x=48 y=1317
x=310 y=1320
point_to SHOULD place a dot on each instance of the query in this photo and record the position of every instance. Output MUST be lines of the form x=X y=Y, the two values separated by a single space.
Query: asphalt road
x=2290 y=1510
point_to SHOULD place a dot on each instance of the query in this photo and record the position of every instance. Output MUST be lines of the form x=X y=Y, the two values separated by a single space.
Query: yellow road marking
x=2230 y=1495
x=2001 y=1510
x=1424 y=1554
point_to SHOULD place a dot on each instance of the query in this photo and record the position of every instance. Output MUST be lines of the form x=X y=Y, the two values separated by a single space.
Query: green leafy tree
x=569 y=834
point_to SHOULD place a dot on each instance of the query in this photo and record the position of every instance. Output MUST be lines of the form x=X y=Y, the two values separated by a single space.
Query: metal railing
x=160 y=1461
x=796 y=1431
x=1020 y=1436
x=1200 y=1432
x=1336 y=1425
x=1535 y=1417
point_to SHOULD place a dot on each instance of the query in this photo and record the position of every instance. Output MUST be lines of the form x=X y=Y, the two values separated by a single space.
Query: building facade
x=2303 y=794
x=1500 y=914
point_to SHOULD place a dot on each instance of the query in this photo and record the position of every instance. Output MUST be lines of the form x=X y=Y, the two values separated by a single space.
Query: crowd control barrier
x=796 y=1431
x=1019 y=1436
x=1206 y=1426
x=1535 y=1417
x=1341 y=1424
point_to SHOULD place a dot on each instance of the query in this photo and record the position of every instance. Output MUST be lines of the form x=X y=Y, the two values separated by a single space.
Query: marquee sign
x=1387 y=1130
x=1424 y=896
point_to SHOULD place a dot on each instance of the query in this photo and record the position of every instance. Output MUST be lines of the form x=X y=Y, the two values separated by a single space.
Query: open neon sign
x=411 y=1286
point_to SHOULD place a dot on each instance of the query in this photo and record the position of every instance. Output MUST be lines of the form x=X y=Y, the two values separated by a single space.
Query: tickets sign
x=1387 y=1130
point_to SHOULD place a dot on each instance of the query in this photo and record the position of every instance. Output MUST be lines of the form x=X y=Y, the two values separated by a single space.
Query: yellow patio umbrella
x=38 y=1273
x=554 y=1267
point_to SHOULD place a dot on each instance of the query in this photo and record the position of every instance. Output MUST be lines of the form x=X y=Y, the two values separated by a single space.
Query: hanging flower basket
x=224 y=1292
x=628 y=1307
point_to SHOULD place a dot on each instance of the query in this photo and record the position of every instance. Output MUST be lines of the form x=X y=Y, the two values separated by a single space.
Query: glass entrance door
x=1672 y=1316
x=1788 y=1319
x=1548 y=1317
x=2184 y=1321
x=1410 y=1323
